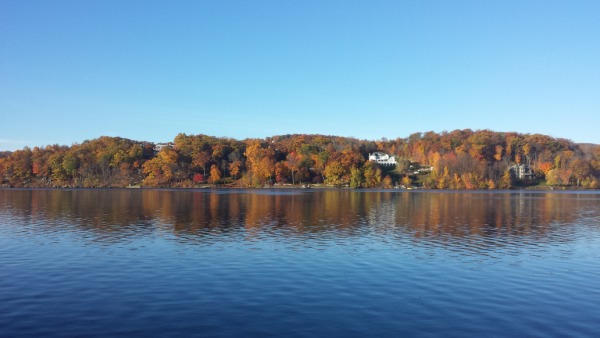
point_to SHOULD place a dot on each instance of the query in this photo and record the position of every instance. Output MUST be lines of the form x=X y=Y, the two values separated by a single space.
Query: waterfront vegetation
x=460 y=159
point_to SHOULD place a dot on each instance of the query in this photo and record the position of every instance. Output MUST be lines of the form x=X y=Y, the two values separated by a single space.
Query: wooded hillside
x=461 y=159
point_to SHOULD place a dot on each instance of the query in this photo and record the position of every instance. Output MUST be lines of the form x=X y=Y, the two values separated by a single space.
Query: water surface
x=298 y=263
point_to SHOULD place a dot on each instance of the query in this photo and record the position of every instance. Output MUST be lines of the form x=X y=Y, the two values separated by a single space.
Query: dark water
x=299 y=264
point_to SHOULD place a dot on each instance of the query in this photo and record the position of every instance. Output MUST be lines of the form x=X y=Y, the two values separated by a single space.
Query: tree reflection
x=435 y=216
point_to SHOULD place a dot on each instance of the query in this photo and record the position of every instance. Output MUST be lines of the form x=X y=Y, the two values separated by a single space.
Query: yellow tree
x=253 y=156
x=234 y=168
x=320 y=161
x=434 y=160
x=266 y=168
x=557 y=162
x=215 y=174
x=260 y=162
x=506 y=180
x=334 y=172
x=160 y=170
x=406 y=181
x=499 y=152
x=456 y=182
x=387 y=182
x=444 y=181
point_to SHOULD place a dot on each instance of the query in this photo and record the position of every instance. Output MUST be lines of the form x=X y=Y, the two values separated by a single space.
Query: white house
x=521 y=171
x=382 y=158
x=160 y=146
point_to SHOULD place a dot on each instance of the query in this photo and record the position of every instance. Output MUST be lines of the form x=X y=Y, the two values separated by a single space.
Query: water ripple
x=260 y=263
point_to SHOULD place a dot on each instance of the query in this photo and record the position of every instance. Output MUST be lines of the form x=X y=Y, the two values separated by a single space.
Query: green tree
x=372 y=175
x=69 y=165
x=356 y=178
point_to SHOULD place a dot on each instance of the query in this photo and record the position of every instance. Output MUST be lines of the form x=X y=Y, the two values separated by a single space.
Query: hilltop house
x=382 y=158
x=160 y=146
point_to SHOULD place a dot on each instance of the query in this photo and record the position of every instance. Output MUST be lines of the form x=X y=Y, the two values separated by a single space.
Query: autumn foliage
x=461 y=159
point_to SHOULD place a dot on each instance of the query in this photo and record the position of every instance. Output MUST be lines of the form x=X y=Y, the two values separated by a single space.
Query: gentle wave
x=319 y=263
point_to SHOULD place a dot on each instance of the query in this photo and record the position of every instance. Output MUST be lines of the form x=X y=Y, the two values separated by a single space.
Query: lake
x=299 y=263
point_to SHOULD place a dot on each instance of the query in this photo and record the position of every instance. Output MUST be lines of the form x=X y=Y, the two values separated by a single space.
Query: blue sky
x=148 y=70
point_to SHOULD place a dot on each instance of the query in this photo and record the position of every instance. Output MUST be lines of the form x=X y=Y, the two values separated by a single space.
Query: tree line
x=460 y=159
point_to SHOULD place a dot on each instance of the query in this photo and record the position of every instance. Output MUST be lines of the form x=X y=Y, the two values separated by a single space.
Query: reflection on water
x=427 y=216
x=242 y=263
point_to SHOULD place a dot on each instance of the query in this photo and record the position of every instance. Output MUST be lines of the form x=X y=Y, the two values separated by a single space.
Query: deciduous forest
x=460 y=159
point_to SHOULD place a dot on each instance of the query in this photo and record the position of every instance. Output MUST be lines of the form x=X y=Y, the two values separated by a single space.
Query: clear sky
x=148 y=70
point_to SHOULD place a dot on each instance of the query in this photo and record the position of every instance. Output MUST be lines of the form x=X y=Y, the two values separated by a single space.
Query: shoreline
x=309 y=188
